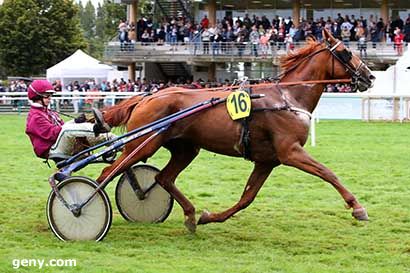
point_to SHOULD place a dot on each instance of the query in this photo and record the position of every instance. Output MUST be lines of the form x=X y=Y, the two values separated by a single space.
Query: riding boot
x=80 y=119
x=100 y=125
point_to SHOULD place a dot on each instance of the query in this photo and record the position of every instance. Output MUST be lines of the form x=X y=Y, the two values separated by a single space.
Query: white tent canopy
x=395 y=78
x=78 y=66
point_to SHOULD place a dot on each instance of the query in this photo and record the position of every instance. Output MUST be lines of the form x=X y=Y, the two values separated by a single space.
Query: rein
x=226 y=88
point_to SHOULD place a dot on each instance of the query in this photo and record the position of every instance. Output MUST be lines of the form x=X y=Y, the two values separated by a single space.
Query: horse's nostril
x=372 y=77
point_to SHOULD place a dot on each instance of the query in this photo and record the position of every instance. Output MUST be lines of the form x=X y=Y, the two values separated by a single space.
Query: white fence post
x=313 y=130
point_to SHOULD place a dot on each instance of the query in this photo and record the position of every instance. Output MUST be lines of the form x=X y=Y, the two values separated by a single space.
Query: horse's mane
x=118 y=114
x=292 y=58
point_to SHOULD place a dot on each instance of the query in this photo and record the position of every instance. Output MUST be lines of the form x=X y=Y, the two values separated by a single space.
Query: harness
x=245 y=132
x=344 y=57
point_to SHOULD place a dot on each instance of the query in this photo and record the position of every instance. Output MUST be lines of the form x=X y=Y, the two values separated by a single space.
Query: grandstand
x=192 y=60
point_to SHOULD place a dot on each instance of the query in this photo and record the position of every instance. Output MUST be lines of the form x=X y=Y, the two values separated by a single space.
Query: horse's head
x=345 y=64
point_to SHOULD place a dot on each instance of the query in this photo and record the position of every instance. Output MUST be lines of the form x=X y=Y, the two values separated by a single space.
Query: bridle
x=344 y=57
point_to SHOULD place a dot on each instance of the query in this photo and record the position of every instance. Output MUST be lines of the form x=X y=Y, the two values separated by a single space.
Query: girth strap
x=245 y=133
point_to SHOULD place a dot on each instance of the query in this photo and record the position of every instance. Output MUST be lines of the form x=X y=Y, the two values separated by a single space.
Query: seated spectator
x=145 y=37
x=161 y=36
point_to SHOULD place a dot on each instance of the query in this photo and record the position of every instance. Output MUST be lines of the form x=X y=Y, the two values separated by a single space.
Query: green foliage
x=100 y=26
x=88 y=20
x=297 y=223
x=36 y=34
x=110 y=16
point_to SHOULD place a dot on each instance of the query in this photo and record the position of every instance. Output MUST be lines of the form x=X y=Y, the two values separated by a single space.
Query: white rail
x=360 y=106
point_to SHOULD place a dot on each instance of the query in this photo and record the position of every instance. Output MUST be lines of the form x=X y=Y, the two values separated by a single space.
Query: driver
x=49 y=135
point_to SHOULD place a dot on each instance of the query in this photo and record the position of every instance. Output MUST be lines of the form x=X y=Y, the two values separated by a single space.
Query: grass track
x=296 y=224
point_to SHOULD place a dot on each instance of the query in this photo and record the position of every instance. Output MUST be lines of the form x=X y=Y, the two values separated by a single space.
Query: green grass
x=296 y=224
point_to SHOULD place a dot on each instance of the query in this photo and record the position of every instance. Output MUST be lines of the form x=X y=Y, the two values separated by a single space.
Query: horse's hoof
x=204 y=219
x=360 y=214
x=190 y=225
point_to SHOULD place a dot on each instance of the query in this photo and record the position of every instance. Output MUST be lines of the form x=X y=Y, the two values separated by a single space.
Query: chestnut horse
x=278 y=130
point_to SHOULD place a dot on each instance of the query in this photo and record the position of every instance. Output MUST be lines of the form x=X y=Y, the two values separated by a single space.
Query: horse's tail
x=119 y=114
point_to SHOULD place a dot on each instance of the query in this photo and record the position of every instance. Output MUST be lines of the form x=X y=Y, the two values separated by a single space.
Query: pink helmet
x=39 y=88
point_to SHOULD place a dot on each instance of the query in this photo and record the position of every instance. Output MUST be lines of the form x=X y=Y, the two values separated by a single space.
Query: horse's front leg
x=258 y=176
x=297 y=157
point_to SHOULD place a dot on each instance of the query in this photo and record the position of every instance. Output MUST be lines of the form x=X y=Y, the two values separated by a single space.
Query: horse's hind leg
x=182 y=154
x=258 y=176
x=297 y=157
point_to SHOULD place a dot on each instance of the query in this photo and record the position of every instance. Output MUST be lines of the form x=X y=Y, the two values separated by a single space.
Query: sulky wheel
x=150 y=204
x=94 y=219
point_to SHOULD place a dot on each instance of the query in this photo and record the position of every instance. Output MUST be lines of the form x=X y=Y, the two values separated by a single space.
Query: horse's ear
x=310 y=39
x=328 y=36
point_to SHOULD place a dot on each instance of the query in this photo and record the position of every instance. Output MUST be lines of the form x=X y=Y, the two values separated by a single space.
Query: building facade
x=194 y=61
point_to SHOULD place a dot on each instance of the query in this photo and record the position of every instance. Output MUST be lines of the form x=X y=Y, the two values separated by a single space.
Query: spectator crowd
x=140 y=85
x=259 y=33
x=262 y=32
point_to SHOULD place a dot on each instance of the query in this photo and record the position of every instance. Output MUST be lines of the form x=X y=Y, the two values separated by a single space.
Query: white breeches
x=70 y=130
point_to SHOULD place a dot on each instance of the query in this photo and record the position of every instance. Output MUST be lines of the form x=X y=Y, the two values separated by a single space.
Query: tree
x=36 y=34
x=87 y=20
x=109 y=18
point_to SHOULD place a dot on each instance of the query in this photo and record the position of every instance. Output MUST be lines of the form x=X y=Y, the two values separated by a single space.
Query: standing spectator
x=380 y=28
x=130 y=86
x=107 y=100
x=247 y=21
x=292 y=31
x=254 y=40
x=132 y=33
x=335 y=29
x=141 y=26
x=2 y=89
x=123 y=34
x=77 y=103
x=206 y=37
x=398 y=41
x=240 y=44
x=346 y=24
x=407 y=30
x=345 y=35
x=216 y=42
x=58 y=88
x=287 y=23
x=205 y=22
x=264 y=43
x=373 y=33
x=289 y=43
x=196 y=40
x=361 y=38
x=174 y=38
x=281 y=36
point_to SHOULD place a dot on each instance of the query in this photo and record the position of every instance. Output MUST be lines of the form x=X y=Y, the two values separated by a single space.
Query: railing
x=77 y=99
x=394 y=107
x=365 y=106
x=232 y=49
